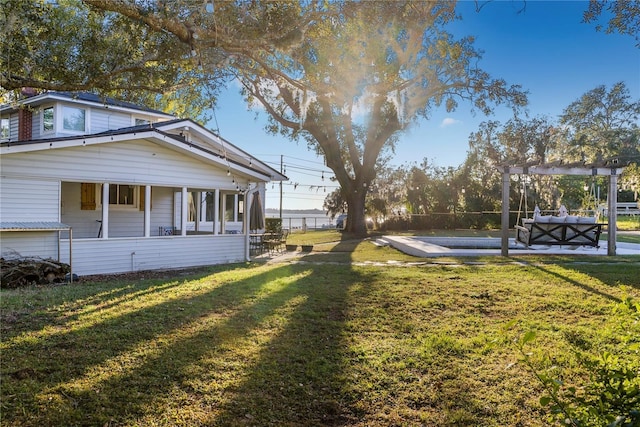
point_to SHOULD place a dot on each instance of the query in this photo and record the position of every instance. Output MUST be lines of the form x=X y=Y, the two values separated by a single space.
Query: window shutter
x=141 y=207
x=88 y=196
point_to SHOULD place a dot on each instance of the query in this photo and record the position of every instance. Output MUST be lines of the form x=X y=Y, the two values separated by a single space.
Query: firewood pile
x=17 y=272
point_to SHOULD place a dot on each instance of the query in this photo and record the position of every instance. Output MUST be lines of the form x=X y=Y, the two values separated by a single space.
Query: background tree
x=600 y=125
x=169 y=55
x=624 y=16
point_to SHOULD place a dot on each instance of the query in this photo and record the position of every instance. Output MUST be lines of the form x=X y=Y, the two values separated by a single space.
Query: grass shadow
x=191 y=344
x=74 y=350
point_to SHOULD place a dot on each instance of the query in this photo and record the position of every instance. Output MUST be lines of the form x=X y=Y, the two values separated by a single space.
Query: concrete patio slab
x=429 y=247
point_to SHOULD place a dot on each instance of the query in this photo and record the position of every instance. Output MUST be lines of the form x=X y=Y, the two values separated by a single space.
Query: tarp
x=256 y=214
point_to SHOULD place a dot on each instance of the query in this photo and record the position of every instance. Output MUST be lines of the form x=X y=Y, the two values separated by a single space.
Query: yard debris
x=25 y=271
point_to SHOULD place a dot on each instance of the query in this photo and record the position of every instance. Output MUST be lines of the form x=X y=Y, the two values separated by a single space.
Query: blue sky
x=544 y=48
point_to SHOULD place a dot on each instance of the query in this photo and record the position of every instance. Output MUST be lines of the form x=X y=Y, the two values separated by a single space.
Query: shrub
x=611 y=397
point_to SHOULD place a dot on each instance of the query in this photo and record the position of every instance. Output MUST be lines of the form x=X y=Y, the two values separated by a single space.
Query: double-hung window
x=48 y=119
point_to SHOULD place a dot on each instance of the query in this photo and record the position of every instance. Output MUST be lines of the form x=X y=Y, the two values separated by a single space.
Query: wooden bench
x=569 y=230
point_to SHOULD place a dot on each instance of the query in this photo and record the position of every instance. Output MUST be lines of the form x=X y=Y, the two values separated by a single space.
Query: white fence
x=296 y=222
x=624 y=208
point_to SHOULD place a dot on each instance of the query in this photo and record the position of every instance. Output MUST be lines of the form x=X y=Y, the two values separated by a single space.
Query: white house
x=111 y=187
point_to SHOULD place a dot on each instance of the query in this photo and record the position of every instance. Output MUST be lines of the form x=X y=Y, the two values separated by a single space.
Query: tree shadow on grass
x=298 y=377
x=269 y=345
x=60 y=304
x=605 y=277
x=624 y=274
x=44 y=373
x=275 y=332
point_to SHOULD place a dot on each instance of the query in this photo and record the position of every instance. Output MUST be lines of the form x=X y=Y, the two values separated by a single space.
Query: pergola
x=611 y=169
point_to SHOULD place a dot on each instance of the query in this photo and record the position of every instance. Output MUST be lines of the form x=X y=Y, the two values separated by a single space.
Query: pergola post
x=612 y=202
x=506 y=181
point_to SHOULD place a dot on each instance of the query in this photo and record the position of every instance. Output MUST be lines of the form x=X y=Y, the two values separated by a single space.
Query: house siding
x=130 y=162
x=103 y=120
x=98 y=256
x=28 y=199
x=36 y=124
x=29 y=244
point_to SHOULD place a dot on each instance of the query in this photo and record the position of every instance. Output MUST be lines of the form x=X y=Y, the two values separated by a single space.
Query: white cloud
x=449 y=122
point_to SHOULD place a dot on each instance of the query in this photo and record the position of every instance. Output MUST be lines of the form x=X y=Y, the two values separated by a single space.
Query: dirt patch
x=145 y=275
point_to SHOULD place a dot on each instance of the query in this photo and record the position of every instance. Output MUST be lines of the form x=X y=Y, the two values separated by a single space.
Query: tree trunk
x=356 y=222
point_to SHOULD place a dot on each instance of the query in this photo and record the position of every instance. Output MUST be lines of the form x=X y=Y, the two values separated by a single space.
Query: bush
x=611 y=397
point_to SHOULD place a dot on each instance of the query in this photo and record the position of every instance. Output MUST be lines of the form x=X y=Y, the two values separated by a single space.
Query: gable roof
x=183 y=135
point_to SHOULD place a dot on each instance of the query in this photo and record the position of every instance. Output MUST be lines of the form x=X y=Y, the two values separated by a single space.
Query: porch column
x=198 y=203
x=105 y=210
x=147 y=211
x=612 y=203
x=506 y=181
x=183 y=217
x=223 y=218
x=247 y=200
x=216 y=212
x=235 y=211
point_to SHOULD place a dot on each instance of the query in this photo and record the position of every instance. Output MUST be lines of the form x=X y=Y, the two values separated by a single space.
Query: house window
x=4 y=129
x=122 y=195
x=140 y=122
x=209 y=203
x=73 y=119
x=47 y=119
x=234 y=207
x=229 y=207
x=192 y=198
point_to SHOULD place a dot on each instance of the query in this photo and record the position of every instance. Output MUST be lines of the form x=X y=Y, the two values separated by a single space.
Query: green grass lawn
x=308 y=344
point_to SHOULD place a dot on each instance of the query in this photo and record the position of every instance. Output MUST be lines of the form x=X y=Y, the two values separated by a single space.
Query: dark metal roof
x=104 y=101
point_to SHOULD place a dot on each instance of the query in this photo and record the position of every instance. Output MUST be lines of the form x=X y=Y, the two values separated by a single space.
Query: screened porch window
x=234 y=207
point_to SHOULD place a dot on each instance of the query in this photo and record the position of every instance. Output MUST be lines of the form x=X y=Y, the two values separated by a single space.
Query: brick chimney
x=25 y=120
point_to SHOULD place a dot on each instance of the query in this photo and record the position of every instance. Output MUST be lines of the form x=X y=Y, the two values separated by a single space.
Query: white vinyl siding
x=28 y=199
x=124 y=162
x=13 y=127
x=103 y=120
x=30 y=244
x=95 y=256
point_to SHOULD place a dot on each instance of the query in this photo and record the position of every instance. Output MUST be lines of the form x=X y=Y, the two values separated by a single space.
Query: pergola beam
x=561 y=170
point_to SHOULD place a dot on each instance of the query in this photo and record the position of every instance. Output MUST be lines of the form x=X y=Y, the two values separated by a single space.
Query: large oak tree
x=347 y=77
